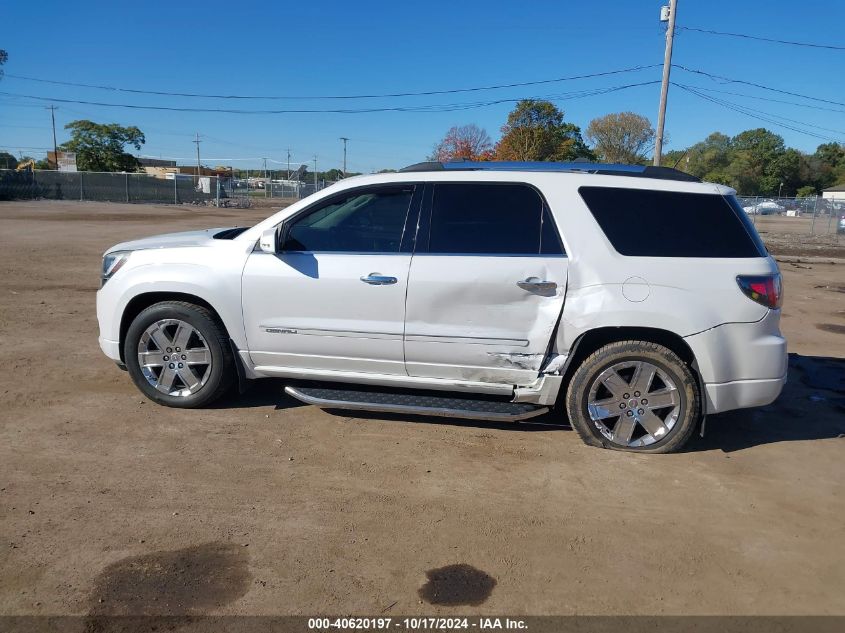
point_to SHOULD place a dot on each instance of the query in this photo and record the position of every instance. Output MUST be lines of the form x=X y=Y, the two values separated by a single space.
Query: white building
x=835 y=193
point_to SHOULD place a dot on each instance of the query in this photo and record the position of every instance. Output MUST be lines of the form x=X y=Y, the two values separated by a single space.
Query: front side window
x=366 y=221
x=491 y=219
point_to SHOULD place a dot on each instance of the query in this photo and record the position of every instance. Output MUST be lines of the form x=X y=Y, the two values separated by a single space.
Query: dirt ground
x=801 y=236
x=110 y=504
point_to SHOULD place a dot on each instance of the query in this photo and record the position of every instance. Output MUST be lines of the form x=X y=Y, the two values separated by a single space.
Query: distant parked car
x=767 y=207
x=841 y=227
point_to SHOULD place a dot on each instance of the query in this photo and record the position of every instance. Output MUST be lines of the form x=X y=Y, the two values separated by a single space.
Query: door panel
x=312 y=310
x=468 y=319
x=486 y=286
x=333 y=298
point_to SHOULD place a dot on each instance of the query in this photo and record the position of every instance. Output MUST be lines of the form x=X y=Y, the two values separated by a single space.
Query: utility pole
x=288 y=163
x=315 y=174
x=265 y=178
x=52 y=110
x=344 y=139
x=199 y=165
x=664 y=87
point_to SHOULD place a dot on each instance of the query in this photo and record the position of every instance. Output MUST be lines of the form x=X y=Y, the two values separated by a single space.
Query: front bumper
x=742 y=394
x=110 y=349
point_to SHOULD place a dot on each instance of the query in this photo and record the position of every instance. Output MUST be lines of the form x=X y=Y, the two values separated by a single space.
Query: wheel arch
x=593 y=339
x=141 y=302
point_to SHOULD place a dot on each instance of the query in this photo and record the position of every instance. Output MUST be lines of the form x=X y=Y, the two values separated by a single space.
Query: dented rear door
x=486 y=284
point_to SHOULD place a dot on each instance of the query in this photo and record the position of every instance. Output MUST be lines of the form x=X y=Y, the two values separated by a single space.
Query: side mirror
x=267 y=243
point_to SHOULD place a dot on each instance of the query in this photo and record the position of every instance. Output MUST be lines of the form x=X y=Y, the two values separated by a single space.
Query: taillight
x=766 y=290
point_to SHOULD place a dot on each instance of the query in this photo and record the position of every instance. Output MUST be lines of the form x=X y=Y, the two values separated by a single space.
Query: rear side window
x=493 y=219
x=645 y=223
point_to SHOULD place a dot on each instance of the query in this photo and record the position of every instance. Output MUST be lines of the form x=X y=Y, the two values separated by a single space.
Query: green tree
x=623 y=137
x=807 y=191
x=828 y=165
x=709 y=159
x=536 y=131
x=786 y=171
x=754 y=167
x=756 y=162
x=8 y=161
x=101 y=146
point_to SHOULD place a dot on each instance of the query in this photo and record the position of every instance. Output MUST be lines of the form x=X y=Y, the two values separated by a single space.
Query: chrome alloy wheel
x=174 y=357
x=634 y=403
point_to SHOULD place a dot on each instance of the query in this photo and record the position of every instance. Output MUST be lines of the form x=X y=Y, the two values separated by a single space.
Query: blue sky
x=337 y=48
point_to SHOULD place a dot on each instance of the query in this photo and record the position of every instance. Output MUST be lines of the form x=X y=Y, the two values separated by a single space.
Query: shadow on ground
x=811 y=407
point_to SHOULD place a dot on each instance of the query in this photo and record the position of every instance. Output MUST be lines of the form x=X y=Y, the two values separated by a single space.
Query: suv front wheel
x=634 y=396
x=178 y=355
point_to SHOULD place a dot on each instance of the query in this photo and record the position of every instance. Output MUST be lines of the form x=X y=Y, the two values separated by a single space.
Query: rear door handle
x=377 y=279
x=535 y=283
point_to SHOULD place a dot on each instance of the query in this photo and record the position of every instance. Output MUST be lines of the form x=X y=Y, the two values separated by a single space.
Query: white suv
x=637 y=299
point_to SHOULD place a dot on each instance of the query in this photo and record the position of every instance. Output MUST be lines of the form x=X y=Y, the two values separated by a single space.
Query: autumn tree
x=464 y=142
x=101 y=146
x=623 y=137
x=536 y=131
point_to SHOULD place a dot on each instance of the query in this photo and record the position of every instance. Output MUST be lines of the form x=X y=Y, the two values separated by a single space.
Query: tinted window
x=362 y=222
x=503 y=219
x=640 y=222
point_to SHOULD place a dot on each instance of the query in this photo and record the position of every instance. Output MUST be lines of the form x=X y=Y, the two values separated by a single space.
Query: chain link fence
x=121 y=187
x=813 y=215
x=285 y=190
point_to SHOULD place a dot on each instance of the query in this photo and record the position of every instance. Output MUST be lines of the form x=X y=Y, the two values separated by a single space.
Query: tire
x=612 y=404
x=172 y=376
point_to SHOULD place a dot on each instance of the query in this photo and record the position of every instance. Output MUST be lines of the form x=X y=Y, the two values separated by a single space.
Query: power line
x=756 y=85
x=447 y=107
x=769 y=99
x=755 y=114
x=426 y=93
x=762 y=39
x=777 y=116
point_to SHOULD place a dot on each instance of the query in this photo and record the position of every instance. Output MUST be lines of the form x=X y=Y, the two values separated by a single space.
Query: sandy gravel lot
x=110 y=504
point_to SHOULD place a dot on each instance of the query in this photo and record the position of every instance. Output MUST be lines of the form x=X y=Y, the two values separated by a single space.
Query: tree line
x=754 y=162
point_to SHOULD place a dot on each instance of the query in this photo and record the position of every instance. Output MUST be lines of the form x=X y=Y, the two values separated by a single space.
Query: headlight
x=112 y=262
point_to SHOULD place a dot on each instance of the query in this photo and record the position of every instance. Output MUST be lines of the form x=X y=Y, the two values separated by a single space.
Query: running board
x=416 y=404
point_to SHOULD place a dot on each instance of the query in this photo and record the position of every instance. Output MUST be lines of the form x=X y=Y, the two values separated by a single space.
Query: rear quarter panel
x=680 y=295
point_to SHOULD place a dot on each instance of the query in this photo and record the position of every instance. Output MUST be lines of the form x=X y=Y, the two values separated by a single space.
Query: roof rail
x=611 y=169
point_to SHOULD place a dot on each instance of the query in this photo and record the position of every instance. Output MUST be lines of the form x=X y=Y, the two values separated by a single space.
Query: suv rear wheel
x=178 y=355
x=634 y=396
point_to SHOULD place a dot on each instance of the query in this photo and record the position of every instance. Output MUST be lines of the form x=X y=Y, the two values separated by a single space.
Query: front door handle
x=377 y=279
x=537 y=284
